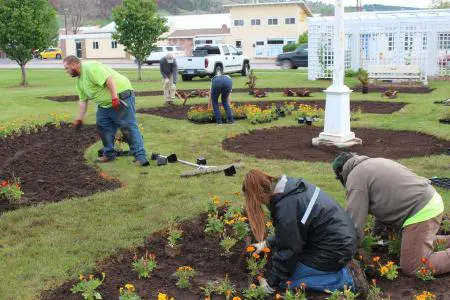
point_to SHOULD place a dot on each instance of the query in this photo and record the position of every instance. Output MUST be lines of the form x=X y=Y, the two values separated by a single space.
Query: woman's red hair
x=257 y=188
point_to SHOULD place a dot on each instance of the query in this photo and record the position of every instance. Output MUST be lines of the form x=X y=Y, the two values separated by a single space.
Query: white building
x=420 y=37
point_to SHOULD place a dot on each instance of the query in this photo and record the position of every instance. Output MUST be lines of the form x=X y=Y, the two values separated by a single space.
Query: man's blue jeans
x=221 y=85
x=320 y=281
x=109 y=120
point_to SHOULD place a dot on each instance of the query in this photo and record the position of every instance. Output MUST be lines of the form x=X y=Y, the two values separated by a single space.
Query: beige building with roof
x=262 y=29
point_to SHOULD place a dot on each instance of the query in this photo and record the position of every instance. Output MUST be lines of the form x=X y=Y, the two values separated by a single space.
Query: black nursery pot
x=100 y=152
x=444 y=121
x=301 y=120
x=230 y=171
x=161 y=161
x=308 y=121
x=154 y=156
x=201 y=161
x=172 y=158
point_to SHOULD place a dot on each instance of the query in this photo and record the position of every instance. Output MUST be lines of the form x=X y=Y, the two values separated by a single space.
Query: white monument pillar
x=337 y=108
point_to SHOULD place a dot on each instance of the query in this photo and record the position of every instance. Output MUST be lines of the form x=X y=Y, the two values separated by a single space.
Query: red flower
x=4 y=183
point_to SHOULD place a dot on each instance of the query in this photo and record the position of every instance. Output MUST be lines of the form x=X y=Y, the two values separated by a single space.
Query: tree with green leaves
x=26 y=25
x=303 y=38
x=440 y=4
x=138 y=28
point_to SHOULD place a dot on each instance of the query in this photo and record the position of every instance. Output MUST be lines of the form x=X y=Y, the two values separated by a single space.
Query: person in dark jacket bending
x=168 y=69
x=315 y=239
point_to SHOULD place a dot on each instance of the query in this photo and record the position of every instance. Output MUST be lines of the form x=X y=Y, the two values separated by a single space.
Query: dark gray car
x=294 y=59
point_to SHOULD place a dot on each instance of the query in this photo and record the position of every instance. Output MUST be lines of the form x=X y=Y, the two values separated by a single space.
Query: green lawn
x=42 y=246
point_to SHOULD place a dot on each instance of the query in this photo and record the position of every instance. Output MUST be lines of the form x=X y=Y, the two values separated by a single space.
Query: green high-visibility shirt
x=91 y=85
x=433 y=208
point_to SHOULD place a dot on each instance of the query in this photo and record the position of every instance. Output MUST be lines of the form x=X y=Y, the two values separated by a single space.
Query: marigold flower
x=278 y=296
x=255 y=255
x=162 y=296
x=266 y=250
x=4 y=183
x=207 y=298
x=423 y=260
x=237 y=298
x=121 y=290
x=91 y=276
x=303 y=285
x=130 y=287
x=376 y=259
x=250 y=249
x=228 y=292
x=81 y=277
x=289 y=282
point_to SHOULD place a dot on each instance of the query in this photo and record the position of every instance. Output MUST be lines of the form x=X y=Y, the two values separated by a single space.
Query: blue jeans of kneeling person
x=110 y=120
x=320 y=281
x=221 y=85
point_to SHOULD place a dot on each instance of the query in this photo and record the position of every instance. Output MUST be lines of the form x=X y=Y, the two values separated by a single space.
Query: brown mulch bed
x=204 y=254
x=372 y=88
x=401 y=88
x=51 y=165
x=295 y=143
x=179 y=112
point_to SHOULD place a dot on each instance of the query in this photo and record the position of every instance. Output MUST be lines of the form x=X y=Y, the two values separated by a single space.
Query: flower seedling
x=254 y=292
x=440 y=245
x=11 y=191
x=225 y=287
x=145 y=265
x=375 y=292
x=162 y=296
x=174 y=235
x=184 y=274
x=270 y=228
x=389 y=270
x=425 y=296
x=346 y=294
x=256 y=263
x=214 y=225
x=128 y=293
x=425 y=272
x=297 y=294
x=445 y=226
x=87 y=287
x=227 y=243
x=394 y=245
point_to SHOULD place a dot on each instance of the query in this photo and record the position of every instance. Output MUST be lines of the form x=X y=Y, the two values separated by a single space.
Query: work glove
x=115 y=103
x=259 y=246
x=263 y=283
x=166 y=80
x=78 y=124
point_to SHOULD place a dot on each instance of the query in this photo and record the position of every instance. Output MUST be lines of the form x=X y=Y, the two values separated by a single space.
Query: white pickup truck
x=211 y=60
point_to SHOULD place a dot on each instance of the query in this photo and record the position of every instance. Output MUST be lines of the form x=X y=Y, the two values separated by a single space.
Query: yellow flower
x=91 y=276
x=81 y=277
x=216 y=200
x=130 y=287
x=228 y=292
x=253 y=286
x=236 y=298
x=162 y=296
x=121 y=290
x=269 y=224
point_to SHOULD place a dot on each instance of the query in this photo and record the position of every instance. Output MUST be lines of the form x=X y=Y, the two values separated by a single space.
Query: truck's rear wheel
x=186 y=77
x=218 y=70
x=245 y=69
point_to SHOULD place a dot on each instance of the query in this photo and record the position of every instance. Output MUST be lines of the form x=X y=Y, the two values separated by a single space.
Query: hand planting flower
x=87 y=287
x=128 y=293
x=184 y=274
x=145 y=265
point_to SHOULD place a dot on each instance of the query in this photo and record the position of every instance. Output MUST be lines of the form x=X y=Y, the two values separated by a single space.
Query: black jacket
x=326 y=242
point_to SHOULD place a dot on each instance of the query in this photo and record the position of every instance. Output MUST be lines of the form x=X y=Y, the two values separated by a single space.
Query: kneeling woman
x=314 y=241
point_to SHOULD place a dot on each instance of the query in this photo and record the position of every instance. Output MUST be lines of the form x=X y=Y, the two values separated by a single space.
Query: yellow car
x=51 y=53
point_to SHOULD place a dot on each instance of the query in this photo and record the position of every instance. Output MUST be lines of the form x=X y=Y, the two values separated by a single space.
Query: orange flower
x=250 y=249
x=277 y=297
x=376 y=259
x=289 y=282
x=237 y=298
x=374 y=281
x=228 y=292
x=303 y=285
x=255 y=255
x=423 y=260
x=266 y=250
x=4 y=183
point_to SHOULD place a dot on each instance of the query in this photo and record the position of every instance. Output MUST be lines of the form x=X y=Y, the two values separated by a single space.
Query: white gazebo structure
x=419 y=37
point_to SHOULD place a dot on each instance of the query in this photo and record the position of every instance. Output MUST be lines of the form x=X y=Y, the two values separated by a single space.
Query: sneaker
x=359 y=278
x=104 y=159
x=141 y=163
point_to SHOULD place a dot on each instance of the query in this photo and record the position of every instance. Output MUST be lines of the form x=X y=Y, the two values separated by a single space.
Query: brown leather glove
x=77 y=124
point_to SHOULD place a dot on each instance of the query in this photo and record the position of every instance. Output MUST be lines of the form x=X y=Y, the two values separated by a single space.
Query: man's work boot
x=104 y=159
x=359 y=278
x=141 y=163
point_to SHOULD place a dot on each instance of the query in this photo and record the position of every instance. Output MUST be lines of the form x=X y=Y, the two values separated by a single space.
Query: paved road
x=114 y=63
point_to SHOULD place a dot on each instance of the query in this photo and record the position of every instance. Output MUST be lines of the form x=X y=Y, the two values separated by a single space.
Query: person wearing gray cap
x=168 y=68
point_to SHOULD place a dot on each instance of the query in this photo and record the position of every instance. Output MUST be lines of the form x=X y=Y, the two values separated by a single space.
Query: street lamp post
x=337 y=108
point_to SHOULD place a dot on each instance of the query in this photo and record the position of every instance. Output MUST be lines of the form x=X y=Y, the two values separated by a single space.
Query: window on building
x=238 y=22
x=272 y=21
x=390 y=41
x=95 y=45
x=114 y=44
x=289 y=21
x=408 y=41
x=444 y=41
x=169 y=48
x=256 y=22
x=238 y=44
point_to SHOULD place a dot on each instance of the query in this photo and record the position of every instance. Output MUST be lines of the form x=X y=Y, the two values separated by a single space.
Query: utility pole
x=65 y=18
x=358 y=5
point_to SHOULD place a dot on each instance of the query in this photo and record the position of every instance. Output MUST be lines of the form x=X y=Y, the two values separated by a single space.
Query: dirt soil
x=204 y=254
x=372 y=88
x=295 y=143
x=51 y=165
x=179 y=112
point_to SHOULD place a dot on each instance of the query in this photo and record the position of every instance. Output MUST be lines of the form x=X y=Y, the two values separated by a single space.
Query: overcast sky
x=408 y=3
